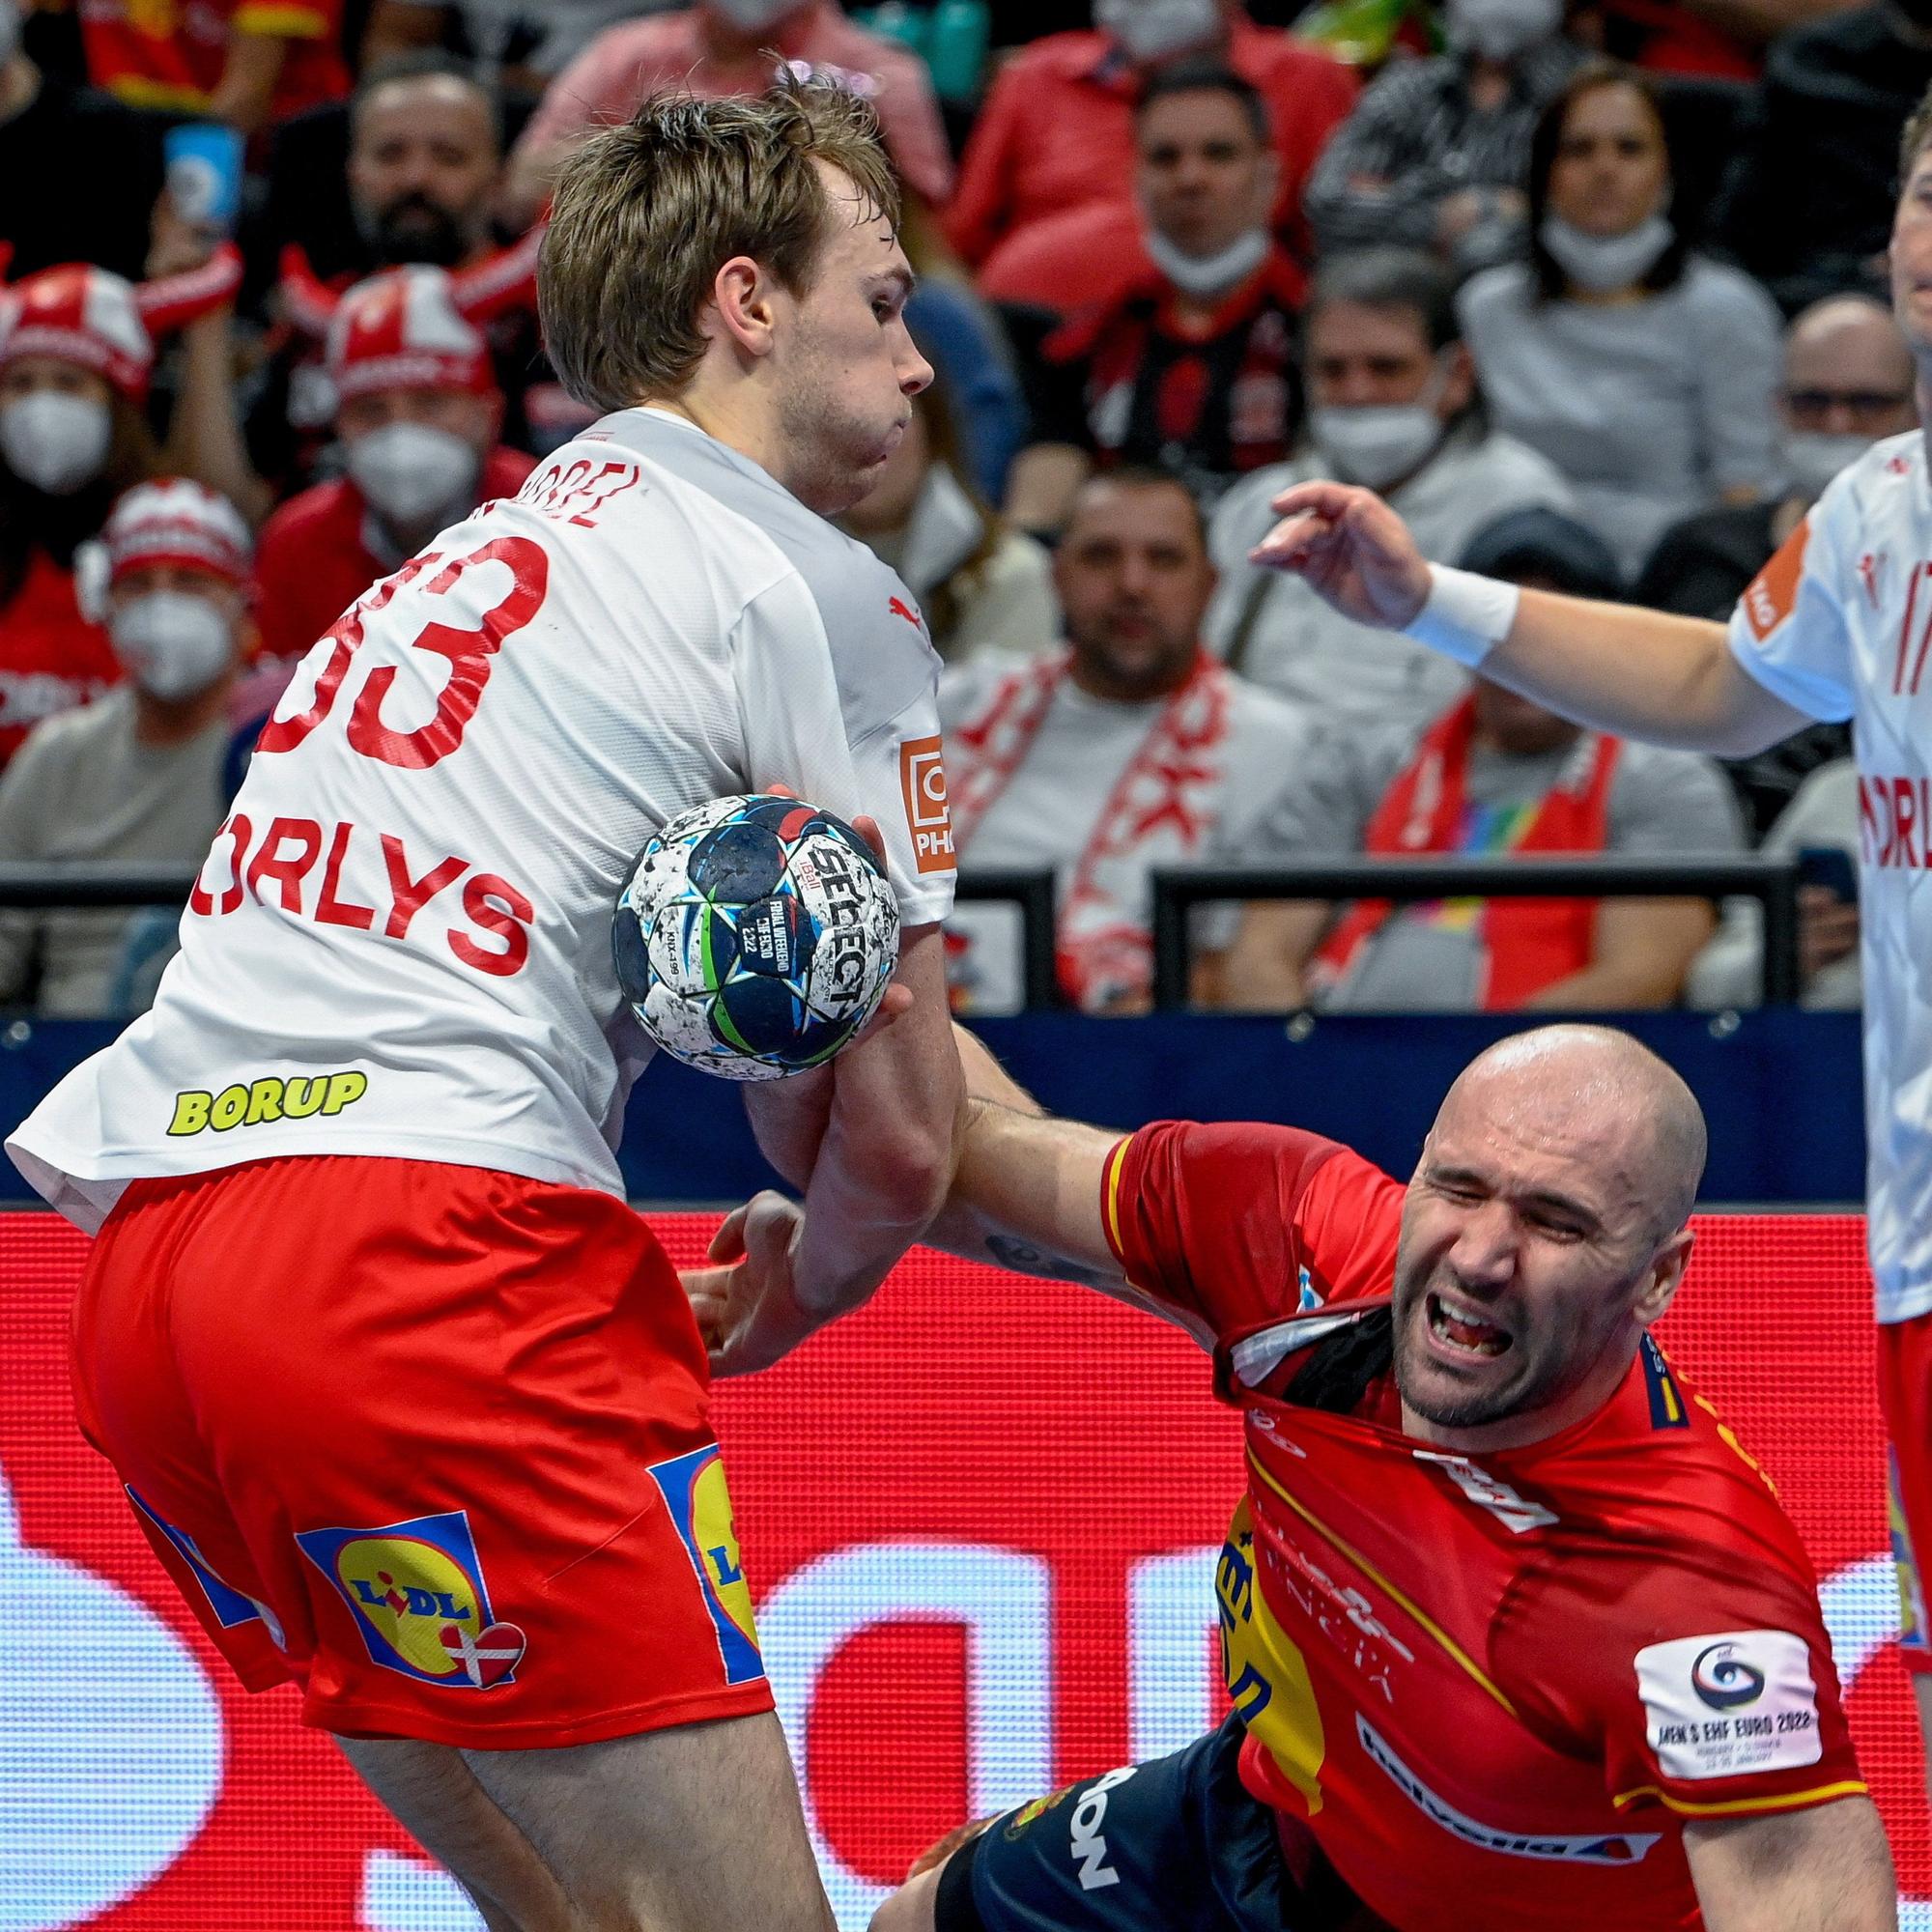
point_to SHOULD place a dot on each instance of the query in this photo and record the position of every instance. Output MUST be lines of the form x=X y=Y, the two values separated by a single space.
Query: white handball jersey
x=400 y=944
x=1838 y=623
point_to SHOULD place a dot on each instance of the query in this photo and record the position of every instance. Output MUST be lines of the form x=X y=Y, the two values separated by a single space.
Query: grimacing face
x=1530 y=1253
x=845 y=366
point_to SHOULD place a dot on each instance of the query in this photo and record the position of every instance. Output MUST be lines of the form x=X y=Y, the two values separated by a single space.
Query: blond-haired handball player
x=1838 y=625
x=408 y=1399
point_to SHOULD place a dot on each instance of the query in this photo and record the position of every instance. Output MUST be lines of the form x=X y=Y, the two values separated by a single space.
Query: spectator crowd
x=1592 y=290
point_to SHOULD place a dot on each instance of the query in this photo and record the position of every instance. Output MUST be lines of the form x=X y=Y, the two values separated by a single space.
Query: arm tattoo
x=1024 y=1259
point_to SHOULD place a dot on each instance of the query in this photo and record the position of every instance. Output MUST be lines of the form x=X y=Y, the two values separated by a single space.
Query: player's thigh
x=696 y=1828
x=436 y=1799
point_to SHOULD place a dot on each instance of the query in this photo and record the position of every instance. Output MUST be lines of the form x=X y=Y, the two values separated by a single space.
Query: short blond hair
x=645 y=215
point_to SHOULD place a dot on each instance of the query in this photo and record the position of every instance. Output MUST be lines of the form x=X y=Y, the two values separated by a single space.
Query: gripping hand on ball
x=746 y=1305
x=1351 y=549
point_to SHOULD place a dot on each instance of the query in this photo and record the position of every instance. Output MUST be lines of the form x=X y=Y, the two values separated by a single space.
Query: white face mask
x=1380 y=443
x=408 y=471
x=1813 y=458
x=1149 y=30
x=750 y=15
x=1208 y=274
x=1500 y=29
x=55 y=441
x=173 y=643
x=1602 y=262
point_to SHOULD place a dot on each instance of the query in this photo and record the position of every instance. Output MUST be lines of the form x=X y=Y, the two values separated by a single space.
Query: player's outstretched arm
x=1823 y=1869
x=1641 y=673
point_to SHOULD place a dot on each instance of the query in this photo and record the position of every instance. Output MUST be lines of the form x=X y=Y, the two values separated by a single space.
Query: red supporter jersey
x=314 y=561
x=1507 y=1680
x=52 y=658
x=170 y=53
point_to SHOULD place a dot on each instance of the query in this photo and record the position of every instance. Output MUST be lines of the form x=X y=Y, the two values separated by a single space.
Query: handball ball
x=756 y=936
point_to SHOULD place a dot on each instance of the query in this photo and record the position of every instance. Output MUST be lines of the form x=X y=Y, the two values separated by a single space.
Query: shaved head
x=1544 y=1231
x=1594 y=1081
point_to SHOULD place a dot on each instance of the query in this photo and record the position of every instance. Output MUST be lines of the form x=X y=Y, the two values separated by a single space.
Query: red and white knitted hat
x=84 y=316
x=98 y=321
x=174 y=520
x=402 y=330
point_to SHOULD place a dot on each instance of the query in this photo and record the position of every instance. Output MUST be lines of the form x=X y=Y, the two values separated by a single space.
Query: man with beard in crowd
x=424 y=158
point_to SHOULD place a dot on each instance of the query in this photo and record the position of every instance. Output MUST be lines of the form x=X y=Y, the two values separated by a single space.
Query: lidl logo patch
x=419 y=1598
x=230 y=1605
x=693 y=1487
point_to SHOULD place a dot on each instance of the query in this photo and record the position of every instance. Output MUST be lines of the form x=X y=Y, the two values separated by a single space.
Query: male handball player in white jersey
x=1838 y=625
x=408 y=1399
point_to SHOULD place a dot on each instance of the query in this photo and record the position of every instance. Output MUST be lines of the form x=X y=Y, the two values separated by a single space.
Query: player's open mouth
x=1464 y=1334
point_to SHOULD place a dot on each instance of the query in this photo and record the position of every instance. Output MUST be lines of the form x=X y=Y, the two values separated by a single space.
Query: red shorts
x=429 y=1440
x=1905 y=1394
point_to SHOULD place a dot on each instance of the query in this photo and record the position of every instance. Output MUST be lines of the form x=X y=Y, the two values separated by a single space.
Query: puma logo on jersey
x=899 y=607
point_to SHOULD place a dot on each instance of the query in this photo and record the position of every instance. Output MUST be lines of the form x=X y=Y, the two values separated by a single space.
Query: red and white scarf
x=1162 y=809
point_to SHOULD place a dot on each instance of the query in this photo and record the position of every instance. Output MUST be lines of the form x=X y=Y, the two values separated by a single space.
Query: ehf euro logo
x=418 y=1593
x=1724 y=1679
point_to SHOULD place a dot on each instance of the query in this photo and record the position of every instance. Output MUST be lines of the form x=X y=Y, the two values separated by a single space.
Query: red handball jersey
x=171 y=53
x=1508 y=1680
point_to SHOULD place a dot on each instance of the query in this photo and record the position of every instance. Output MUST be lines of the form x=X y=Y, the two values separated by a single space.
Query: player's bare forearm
x=1641 y=673
x=1823 y=1869
x=1025 y=1190
x=886 y=1157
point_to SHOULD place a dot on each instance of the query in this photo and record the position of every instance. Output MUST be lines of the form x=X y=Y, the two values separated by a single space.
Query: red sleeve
x=1706 y=1685
x=281 y=612
x=1233 y=1224
x=978 y=216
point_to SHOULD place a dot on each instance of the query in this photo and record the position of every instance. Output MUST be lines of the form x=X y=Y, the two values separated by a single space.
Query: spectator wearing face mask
x=1848 y=380
x=95 y=165
x=423 y=168
x=1193 y=364
x=978 y=584
x=1055 y=141
x=137 y=775
x=417 y=416
x=1644 y=371
x=1492 y=776
x=720 y=48
x=245 y=62
x=1436 y=153
x=76 y=350
x=1393 y=405
x=1807 y=198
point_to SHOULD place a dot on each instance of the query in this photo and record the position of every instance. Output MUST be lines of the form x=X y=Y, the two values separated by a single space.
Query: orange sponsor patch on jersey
x=1772 y=593
x=922 y=782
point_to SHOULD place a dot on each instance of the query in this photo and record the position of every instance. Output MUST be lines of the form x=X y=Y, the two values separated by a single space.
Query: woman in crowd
x=1642 y=369
x=978 y=583
x=76 y=351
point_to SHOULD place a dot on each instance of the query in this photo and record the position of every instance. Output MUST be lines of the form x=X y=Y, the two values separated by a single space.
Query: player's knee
x=910 y=1909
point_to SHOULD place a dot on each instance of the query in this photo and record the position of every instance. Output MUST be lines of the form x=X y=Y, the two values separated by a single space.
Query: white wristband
x=1467 y=616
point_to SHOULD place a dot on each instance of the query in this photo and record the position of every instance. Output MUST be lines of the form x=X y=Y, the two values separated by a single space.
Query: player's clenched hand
x=1352 y=549
x=746 y=1307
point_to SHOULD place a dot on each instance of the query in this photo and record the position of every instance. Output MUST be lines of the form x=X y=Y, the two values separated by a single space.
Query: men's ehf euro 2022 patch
x=1730 y=1704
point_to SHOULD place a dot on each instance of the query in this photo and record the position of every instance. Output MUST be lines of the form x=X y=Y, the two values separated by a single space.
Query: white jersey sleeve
x=881 y=757
x=1789 y=630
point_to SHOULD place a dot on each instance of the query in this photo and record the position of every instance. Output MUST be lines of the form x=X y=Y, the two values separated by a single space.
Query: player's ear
x=1662 y=1277
x=742 y=298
